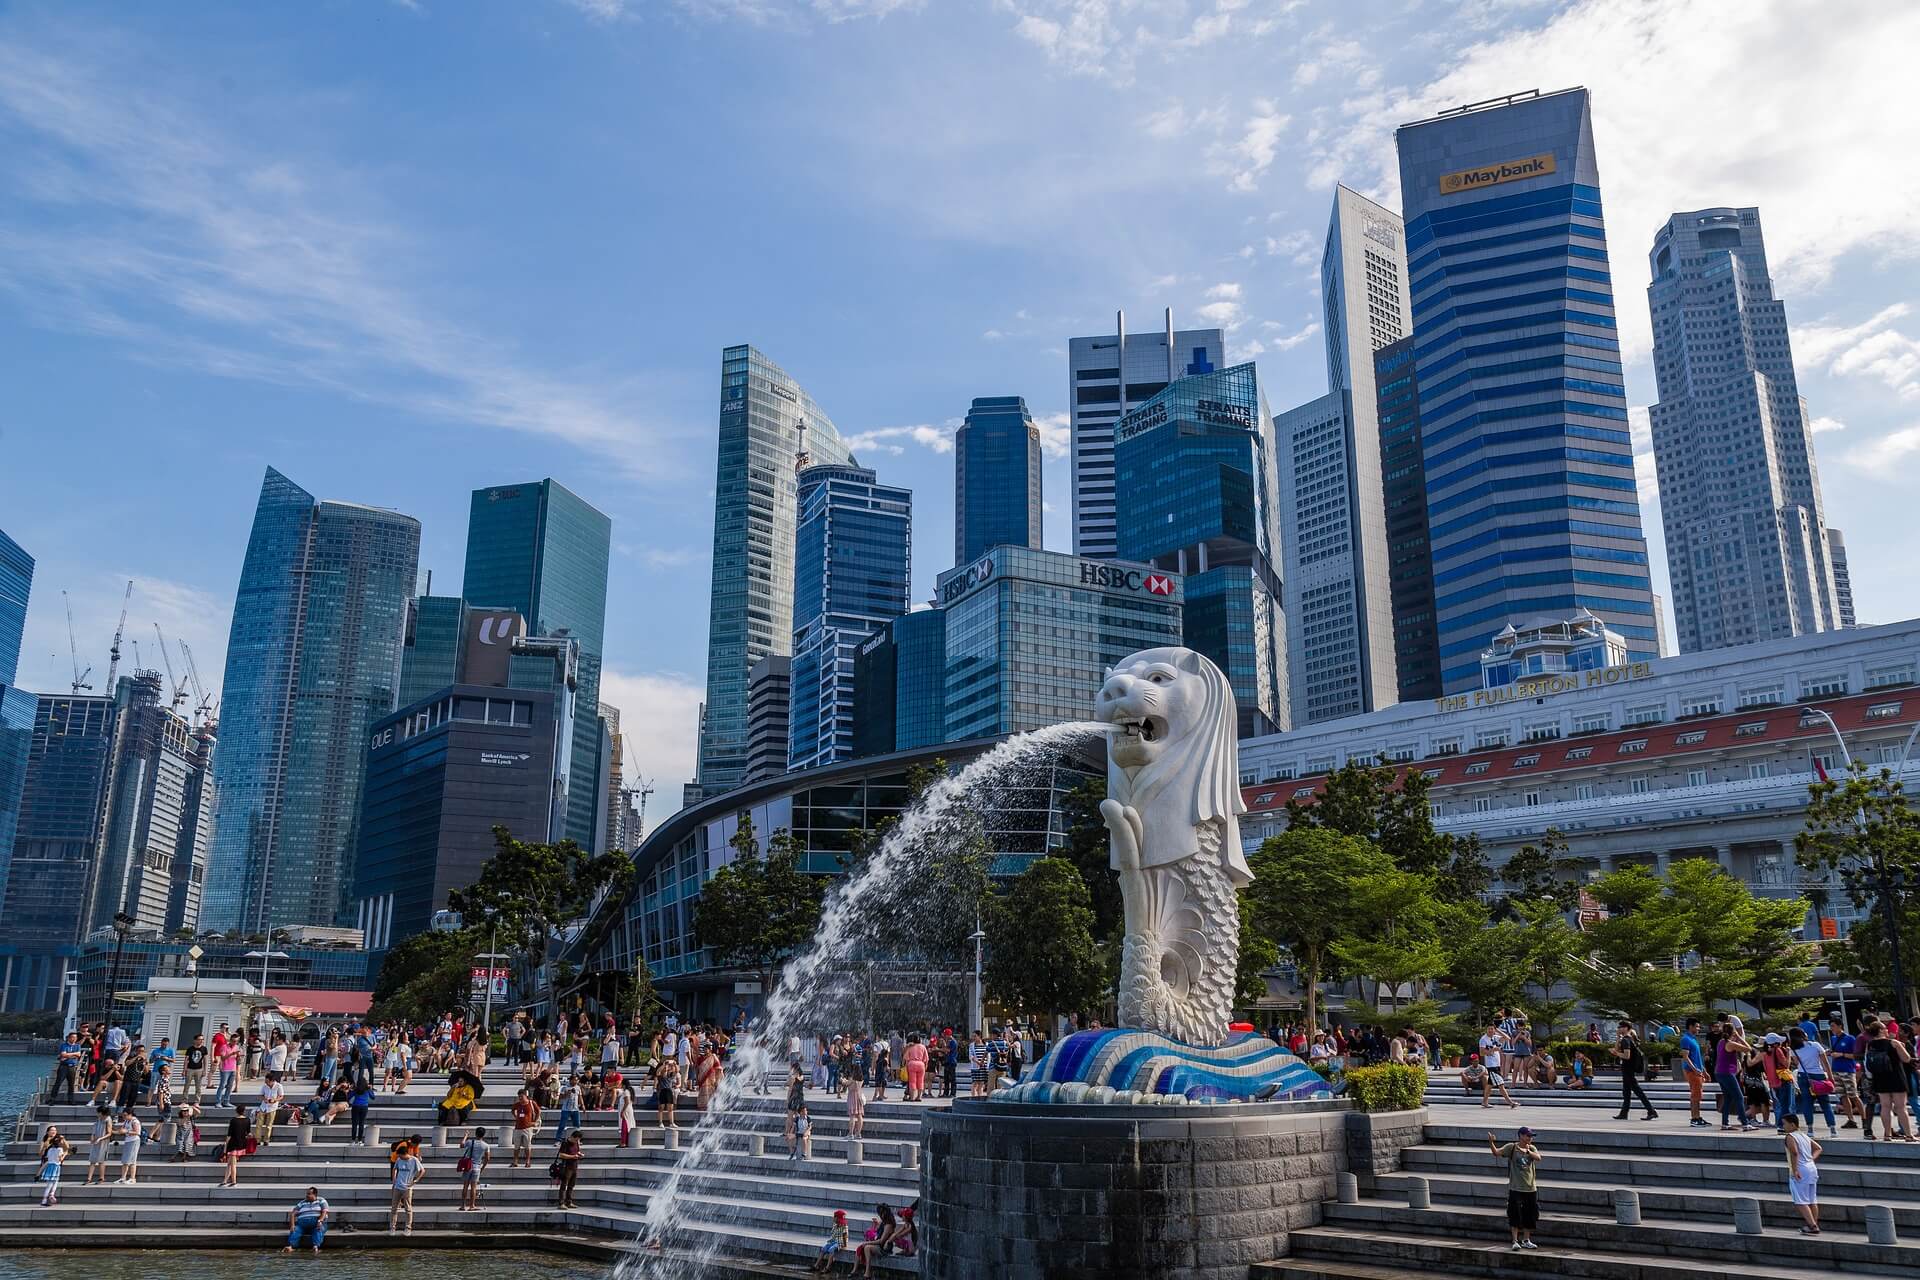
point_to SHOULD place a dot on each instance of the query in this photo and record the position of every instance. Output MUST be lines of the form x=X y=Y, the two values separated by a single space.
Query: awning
x=321 y=1004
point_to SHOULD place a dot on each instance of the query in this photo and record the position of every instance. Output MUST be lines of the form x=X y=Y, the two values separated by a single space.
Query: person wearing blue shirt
x=307 y=1221
x=1844 y=1052
x=1694 y=1063
x=116 y=1043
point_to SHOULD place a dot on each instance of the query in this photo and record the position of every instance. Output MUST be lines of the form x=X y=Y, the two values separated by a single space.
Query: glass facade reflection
x=436 y=635
x=853 y=555
x=16 y=705
x=313 y=659
x=1030 y=635
x=996 y=478
x=1195 y=488
x=1403 y=476
x=541 y=550
x=768 y=425
x=1531 y=497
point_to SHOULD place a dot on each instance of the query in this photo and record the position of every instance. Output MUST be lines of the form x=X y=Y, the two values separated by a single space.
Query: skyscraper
x=154 y=833
x=769 y=427
x=769 y=708
x=1339 y=602
x=1747 y=545
x=436 y=638
x=1842 y=580
x=1403 y=486
x=1195 y=488
x=1097 y=399
x=1523 y=420
x=996 y=478
x=313 y=659
x=540 y=550
x=853 y=558
x=16 y=705
x=45 y=899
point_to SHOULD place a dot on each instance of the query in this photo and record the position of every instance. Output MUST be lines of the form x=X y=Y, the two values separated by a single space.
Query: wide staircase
x=758 y=1212
x=1687 y=1182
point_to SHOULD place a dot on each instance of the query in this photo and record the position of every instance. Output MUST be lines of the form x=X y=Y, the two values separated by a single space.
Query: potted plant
x=1451 y=1054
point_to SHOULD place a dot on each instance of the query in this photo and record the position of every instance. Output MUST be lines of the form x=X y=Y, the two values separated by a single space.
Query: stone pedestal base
x=1131 y=1193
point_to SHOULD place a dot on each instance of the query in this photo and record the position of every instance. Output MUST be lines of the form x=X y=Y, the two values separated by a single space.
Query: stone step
x=1701 y=1143
x=1683 y=1170
x=1838 y=1209
x=1339 y=1253
x=1705 y=1242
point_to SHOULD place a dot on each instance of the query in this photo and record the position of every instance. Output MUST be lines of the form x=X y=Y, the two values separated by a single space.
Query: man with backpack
x=1633 y=1064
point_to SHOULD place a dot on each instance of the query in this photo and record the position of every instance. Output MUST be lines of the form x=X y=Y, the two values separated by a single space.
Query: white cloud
x=1245 y=159
x=1288 y=342
x=756 y=12
x=660 y=730
x=134 y=217
x=1056 y=434
x=1887 y=451
x=1751 y=140
x=1646 y=475
x=1871 y=349
x=1225 y=290
x=1302 y=248
x=1821 y=426
x=664 y=557
x=880 y=440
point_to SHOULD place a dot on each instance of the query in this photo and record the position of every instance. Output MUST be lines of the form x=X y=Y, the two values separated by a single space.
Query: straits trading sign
x=1545 y=686
x=1452 y=184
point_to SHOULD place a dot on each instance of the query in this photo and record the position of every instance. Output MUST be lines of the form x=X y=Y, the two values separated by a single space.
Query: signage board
x=489 y=645
x=1534 y=687
x=1452 y=184
x=485 y=979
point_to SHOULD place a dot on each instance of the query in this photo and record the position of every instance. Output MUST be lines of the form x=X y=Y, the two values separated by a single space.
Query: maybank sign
x=1452 y=184
x=1545 y=686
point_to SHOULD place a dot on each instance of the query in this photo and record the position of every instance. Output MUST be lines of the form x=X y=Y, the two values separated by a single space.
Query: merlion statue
x=1173 y=805
x=1173 y=809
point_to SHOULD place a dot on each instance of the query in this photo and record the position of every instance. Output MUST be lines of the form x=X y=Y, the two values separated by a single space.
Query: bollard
x=757 y=1144
x=856 y=1151
x=1880 y=1225
x=633 y=1141
x=303 y=1137
x=1746 y=1216
x=1349 y=1189
x=373 y=1135
x=441 y=1142
x=909 y=1155
x=1419 y=1194
x=673 y=1138
x=1626 y=1207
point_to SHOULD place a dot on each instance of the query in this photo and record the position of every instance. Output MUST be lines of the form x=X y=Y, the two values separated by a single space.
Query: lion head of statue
x=1175 y=758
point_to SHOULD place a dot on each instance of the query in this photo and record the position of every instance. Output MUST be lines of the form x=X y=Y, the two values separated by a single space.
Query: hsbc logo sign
x=1115 y=577
x=960 y=583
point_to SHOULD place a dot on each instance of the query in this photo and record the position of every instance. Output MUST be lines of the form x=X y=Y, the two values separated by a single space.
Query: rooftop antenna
x=73 y=652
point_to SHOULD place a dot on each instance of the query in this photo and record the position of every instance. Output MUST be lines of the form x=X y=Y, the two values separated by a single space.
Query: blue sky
x=401 y=250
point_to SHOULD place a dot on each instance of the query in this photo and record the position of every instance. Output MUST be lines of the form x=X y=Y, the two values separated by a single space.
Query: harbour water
x=244 y=1264
x=19 y=1073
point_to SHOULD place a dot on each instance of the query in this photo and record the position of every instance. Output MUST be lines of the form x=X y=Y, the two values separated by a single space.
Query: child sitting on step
x=835 y=1246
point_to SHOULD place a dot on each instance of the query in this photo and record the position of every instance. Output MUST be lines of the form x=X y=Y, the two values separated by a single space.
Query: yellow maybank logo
x=1511 y=171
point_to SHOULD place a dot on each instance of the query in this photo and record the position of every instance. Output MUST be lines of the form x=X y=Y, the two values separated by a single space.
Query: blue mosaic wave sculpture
x=1145 y=1067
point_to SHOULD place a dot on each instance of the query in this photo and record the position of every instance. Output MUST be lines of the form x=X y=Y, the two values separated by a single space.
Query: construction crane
x=644 y=790
x=179 y=691
x=203 y=705
x=113 y=654
x=73 y=652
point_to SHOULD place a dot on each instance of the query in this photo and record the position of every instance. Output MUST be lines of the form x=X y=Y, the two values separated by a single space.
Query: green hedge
x=1388 y=1088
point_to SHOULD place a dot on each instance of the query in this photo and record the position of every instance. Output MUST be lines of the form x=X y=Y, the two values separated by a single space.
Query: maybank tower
x=1530 y=489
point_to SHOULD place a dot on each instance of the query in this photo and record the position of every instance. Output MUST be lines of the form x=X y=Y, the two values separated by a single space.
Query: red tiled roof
x=1669 y=738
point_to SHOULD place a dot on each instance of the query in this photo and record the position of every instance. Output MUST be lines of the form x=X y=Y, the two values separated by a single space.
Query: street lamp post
x=1882 y=874
x=979 y=939
x=266 y=956
x=492 y=957
x=122 y=926
x=1841 y=989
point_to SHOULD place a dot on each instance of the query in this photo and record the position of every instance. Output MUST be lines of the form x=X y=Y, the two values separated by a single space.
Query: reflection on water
x=241 y=1264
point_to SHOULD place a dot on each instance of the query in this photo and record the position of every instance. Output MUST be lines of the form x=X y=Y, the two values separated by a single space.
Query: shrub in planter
x=1387 y=1088
x=1452 y=1053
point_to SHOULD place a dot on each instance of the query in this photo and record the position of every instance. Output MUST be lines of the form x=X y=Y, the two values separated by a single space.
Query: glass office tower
x=769 y=428
x=1195 y=488
x=1523 y=412
x=16 y=705
x=996 y=478
x=540 y=550
x=436 y=637
x=1403 y=474
x=152 y=839
x=313 y=659
x=853 y=557
x=45 y=900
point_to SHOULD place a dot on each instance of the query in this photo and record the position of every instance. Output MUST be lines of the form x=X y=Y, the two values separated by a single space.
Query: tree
x=1552 y=950
x=425 y=975
x=1394 y=923
x=1487 y=963
x=756 y=910
x=1040 y=947
x=1860 y=827
x=531 y=891
x=1258 y=954
x=1636 y=949
x=1390 y=807
x=1303 y=882
x=1541 y=870
x=1087 y=847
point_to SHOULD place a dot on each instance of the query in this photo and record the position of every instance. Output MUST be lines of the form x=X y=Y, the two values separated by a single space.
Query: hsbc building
x=1030 y=634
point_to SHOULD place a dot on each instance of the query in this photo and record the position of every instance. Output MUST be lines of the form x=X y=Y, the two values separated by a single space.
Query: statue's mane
x=1196 y=779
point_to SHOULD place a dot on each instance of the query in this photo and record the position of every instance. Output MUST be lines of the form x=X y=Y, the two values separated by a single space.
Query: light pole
x=979 y=939
x=1841 y=988
x=492 y=957
x=1883 y=879
x=193 y=966
x=122 y=926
